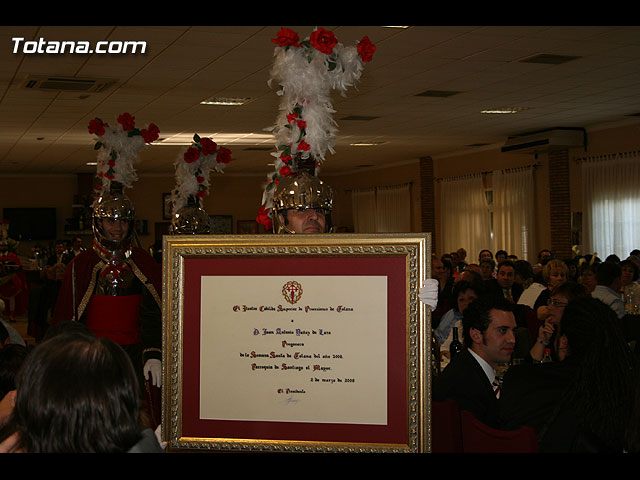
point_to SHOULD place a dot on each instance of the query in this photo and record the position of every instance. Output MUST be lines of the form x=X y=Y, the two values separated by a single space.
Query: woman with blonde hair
x=554 y=273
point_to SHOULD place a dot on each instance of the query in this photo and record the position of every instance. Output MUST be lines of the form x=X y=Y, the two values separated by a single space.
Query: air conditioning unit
x=68 y=84
x=542 y=141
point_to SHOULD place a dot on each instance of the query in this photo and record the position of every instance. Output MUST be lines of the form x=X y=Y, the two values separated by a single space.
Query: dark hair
x=68 y=326
x=601 y=394
x=76 y=394
x=545 y=250
x=570 y=290
x=489 y=261
x=447 y=265
x=477 y=314
x=612 y=258
x=632 y=264
x=523 y=268
x=485 y=250
x=12 y=357
x=607 y=273
x=461 y=287
x=507 y=263
x=502 y=252
x=476 y=277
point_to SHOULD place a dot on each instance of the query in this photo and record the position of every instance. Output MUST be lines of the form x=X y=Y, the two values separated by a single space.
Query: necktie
x=496 y=387
x=507 y=295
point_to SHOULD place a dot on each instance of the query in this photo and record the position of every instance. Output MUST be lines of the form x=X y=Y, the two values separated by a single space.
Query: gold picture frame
x=202 y=273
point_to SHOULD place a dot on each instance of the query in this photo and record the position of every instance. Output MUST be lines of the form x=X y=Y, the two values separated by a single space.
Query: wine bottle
x=456 y=346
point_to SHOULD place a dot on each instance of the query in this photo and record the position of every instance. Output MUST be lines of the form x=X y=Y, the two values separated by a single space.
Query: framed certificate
x=296 y=343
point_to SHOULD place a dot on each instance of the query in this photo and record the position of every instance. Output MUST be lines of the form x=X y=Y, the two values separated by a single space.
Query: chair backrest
x=446 y=432
x=480 y=438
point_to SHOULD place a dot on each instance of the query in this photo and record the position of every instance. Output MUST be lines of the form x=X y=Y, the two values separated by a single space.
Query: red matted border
x=394 y=267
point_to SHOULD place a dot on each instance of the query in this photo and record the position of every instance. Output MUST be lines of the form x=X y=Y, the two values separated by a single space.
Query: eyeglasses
x=556 y=303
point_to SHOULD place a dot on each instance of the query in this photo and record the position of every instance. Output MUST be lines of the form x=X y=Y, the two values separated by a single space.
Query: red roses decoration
x=203 y=147
x=264 y=218
x=206 y=146
x=191 y=155
x=286 y=37
x=366 y=49
x=97 y=126
x=150 y=134
x=128 y=122
x=322 y=40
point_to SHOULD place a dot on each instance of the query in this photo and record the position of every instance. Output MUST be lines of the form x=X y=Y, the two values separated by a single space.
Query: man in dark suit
x=488 y=328
x=76 y=249
x=504 y=284
x=59 y=254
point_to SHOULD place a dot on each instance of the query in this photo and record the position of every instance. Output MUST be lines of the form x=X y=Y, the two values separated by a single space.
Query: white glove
x=429 y=292
x=158 y=433
x=153 y=370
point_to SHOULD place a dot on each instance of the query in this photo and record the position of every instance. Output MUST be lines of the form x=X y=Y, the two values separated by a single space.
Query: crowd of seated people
x=570 y=330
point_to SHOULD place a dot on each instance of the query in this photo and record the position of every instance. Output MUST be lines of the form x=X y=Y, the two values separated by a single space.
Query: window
x=611 y=203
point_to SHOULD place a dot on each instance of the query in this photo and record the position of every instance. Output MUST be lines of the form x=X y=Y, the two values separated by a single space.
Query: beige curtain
x=363 y=204
x=393 y=209
x=611 y=205
x=382 y=209
x=513 y=212
x=464 y=213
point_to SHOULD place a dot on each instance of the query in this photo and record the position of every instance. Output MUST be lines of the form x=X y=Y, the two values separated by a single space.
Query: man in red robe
x=115 y=288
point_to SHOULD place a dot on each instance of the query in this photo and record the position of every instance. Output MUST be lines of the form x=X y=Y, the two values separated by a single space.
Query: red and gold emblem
x=292 y=291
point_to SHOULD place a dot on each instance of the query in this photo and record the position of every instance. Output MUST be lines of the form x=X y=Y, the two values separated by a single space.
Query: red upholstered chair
x=480 y=438
x=446 y=433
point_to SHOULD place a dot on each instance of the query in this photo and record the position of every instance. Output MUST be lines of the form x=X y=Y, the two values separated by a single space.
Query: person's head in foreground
x=75 y=393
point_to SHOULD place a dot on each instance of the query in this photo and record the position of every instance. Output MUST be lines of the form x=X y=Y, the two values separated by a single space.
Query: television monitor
x=31 y=223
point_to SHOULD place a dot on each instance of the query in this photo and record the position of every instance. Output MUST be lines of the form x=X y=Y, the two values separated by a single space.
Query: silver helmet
x=301 y=191
x=191 y=219
x=113 y=205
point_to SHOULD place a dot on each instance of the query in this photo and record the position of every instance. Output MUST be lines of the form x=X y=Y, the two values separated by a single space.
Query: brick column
x=560 y=203
x=427 y=204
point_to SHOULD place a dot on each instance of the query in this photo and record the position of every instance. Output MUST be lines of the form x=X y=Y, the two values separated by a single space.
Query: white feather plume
x=306 y=77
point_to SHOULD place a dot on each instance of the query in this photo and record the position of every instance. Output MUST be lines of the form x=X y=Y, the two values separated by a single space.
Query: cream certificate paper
x=299 y=349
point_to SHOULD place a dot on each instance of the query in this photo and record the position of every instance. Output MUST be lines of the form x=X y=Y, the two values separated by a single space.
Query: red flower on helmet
x=151 y=133
x=127 y=121
x=191 y=155
x=304 y=146
x=285 y=171
x=286 y=158
x=286 y=37
x=263 y=218
x=97 y=126
x=366 y=49
x=209 y=147
x=224 y=155
x=323 y=40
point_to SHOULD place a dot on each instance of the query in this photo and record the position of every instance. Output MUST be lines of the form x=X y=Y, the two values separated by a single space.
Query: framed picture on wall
x=282 y=314
x=247 y=227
